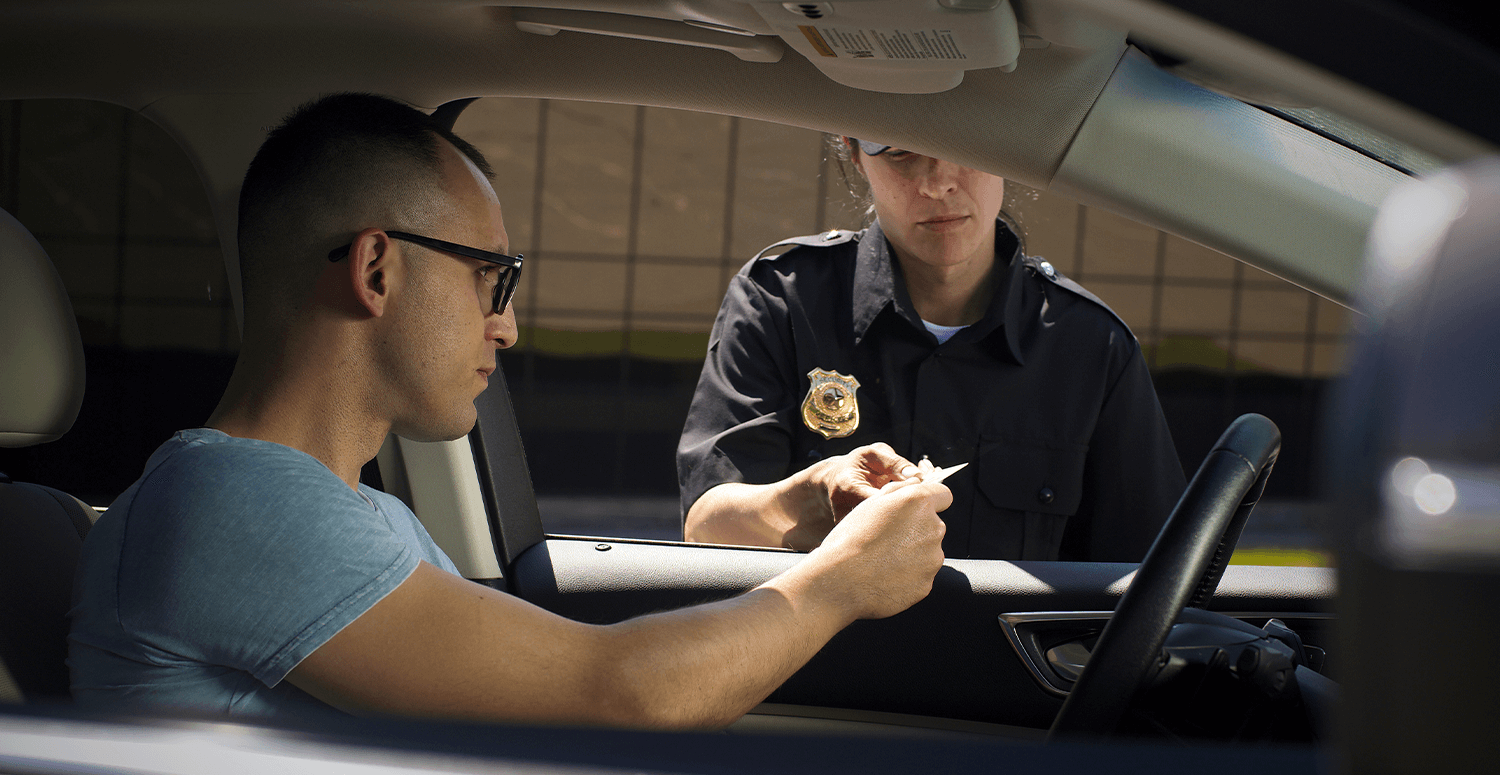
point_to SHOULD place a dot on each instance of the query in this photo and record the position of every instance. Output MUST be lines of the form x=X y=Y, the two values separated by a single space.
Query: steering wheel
x=1182 y=568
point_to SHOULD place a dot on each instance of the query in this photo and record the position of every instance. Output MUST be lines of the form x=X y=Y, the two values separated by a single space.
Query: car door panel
x=947 y=656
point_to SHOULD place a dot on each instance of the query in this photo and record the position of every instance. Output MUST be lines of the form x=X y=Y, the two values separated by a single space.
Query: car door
x=950 y=657
x=947 y=662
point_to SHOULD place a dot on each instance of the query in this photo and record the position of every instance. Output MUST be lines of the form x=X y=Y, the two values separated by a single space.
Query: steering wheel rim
x=1183 y=567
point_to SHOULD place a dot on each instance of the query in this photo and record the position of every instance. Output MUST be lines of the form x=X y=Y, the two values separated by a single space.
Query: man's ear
x=371 y=264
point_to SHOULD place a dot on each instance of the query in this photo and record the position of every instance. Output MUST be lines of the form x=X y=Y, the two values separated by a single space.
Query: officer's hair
x=334 y=166
x=841 y=152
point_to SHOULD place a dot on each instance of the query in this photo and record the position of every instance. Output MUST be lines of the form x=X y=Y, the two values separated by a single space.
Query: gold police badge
x=830 y=409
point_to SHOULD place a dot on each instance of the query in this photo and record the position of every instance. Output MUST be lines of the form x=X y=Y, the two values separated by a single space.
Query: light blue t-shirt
x=225 y=565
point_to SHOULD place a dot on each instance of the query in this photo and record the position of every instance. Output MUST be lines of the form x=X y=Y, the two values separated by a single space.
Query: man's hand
x=888 y=548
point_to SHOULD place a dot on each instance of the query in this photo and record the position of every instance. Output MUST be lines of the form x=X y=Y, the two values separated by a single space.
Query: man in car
x=933 y=332
x=248 y=572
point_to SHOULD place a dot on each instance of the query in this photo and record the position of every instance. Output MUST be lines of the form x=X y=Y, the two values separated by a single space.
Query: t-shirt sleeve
x=271 y=554
x=737 y=425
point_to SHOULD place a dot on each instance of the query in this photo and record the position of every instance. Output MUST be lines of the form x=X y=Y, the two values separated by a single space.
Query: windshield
x=633 y=220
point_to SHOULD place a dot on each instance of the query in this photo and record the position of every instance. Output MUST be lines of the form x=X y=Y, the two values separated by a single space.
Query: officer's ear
x=855 y=157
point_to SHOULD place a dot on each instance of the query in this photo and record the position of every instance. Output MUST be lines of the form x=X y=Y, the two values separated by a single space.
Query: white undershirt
x=943 y=333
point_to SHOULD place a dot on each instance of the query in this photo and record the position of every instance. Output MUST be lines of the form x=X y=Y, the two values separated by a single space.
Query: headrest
x=41 y=354
x=1416 y=434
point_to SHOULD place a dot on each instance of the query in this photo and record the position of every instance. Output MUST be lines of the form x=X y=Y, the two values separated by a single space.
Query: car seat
x=41 y=529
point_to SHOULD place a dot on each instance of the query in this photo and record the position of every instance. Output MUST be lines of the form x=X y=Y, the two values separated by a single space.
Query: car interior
x=1215 y=128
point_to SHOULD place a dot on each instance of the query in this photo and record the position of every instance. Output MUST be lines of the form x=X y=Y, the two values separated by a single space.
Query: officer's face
x=933 y=211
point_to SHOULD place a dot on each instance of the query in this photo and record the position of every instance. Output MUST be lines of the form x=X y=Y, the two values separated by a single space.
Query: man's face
x=933 y=211
x=443 y=336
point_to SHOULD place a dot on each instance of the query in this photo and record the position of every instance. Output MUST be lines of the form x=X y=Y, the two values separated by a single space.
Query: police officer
x=932 y=332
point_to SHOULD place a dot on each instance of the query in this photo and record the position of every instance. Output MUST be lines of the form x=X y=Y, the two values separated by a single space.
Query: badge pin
x=830 y=409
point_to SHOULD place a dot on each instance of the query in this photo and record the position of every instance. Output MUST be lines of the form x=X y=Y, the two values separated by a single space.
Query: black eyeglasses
x=509 y=267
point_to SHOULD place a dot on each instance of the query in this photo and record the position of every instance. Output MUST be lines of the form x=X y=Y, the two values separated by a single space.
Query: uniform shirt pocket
x=1032 y=477
x=1028 y=493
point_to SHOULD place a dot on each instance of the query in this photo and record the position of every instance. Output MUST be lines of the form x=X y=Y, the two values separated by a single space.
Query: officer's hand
x=888 y=548
x=832 y=488
x=860 y=475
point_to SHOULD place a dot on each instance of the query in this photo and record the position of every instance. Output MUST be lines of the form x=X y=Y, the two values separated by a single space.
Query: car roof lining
x=78 y=50
x=206 y=83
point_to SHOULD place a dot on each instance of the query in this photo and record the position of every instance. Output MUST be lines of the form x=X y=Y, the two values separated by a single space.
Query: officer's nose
x=939 y=179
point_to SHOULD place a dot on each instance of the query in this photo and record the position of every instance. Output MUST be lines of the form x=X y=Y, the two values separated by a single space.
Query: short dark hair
x=349 y=126
x=326 y=154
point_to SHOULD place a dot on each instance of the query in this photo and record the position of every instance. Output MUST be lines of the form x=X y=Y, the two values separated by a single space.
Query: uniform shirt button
x=1046 y=495
x=1048 y=270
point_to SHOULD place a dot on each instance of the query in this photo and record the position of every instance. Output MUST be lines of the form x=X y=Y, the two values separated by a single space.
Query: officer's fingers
x=882 y=461
x=849 y=492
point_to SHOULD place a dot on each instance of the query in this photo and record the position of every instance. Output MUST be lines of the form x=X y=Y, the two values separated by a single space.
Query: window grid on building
x=765 y=182
x=633 y=220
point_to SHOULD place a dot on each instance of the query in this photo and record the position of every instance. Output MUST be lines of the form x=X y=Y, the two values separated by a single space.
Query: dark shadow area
x=1199 y=405
x=592 y=426
x=598 y=426
x=134 y=400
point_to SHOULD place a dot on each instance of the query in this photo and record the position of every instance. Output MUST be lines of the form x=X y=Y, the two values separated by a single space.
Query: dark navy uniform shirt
x=1047 y=398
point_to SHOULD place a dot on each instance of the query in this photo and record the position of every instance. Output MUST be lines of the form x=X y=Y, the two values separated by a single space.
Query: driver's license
x=940 y=474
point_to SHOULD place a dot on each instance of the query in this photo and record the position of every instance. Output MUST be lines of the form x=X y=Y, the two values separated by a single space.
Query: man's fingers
x=896 y=484
x=937 y=494
x=942 y=497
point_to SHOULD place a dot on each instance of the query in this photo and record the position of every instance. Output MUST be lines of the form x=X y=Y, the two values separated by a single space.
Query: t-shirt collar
x=878 y=285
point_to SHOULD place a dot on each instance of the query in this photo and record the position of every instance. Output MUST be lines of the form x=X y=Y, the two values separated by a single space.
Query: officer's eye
x=490 y=274
x=896 y=154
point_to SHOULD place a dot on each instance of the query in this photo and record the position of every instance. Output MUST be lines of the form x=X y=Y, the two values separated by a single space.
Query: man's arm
x=796 y=512
x=441 y=646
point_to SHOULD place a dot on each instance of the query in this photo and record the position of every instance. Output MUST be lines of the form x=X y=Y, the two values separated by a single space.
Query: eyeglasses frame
x=510 y=265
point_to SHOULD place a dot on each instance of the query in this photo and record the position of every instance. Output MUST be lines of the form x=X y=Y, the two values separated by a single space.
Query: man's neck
x=271 y=397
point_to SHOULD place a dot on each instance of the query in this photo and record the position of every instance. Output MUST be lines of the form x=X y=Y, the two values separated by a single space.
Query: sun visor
x=894 y=46
x=899 y=46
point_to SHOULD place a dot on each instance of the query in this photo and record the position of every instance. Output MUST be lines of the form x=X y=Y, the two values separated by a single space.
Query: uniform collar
x=878 y=285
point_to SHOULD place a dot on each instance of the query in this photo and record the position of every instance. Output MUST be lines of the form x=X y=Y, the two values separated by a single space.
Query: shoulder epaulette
x=1048 y=272
x=825 y=240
